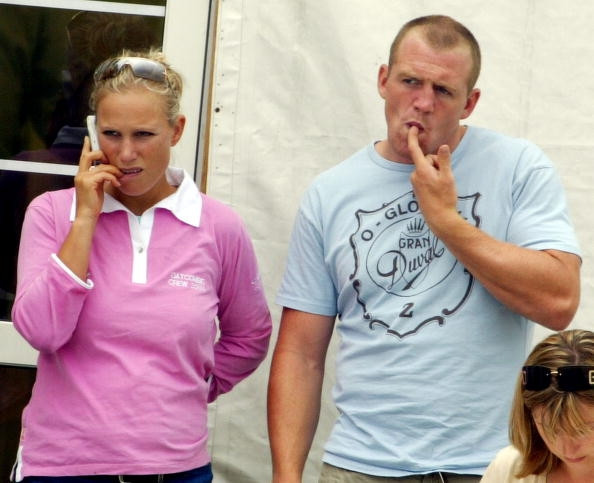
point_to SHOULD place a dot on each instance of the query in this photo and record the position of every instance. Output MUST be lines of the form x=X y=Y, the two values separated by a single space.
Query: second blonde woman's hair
x=560 y=409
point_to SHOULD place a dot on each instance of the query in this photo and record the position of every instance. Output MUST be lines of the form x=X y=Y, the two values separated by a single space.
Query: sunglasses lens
x=575 y=378
x=536 y=378
x=143 y=68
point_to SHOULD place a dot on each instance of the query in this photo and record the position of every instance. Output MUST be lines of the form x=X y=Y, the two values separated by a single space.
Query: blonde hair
x=560 y=409
x=171 y=89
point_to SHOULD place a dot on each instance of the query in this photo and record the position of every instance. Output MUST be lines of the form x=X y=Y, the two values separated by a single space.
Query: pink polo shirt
x=130 y=357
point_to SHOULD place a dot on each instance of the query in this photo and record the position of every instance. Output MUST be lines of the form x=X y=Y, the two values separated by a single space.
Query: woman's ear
x=178 y=129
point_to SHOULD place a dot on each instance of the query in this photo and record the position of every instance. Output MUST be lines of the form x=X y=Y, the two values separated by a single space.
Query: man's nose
x=425 y=99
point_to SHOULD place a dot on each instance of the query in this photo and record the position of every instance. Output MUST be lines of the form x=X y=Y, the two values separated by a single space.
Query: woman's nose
x=570 y=446
x=127 y=150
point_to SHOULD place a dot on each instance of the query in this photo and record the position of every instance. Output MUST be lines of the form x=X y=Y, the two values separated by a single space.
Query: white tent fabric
x=295 y=93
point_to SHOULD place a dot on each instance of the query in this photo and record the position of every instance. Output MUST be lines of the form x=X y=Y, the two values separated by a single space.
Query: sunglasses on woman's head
x=568 y=378
x=141 y=67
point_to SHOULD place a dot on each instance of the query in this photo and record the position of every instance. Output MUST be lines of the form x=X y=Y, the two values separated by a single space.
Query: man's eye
x=443 y=90
x=142 y=134
x=110 y=133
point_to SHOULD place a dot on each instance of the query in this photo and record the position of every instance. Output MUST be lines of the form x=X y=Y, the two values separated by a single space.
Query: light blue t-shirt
x=427 y=358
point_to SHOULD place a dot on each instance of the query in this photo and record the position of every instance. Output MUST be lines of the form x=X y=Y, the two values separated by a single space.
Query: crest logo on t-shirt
x=395 y=250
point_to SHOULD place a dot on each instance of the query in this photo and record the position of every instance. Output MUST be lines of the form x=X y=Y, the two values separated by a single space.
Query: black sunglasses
x=141 y=67
x=569 y=378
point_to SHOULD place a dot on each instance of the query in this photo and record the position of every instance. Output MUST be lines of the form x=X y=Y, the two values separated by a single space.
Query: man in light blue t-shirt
x=435 y=248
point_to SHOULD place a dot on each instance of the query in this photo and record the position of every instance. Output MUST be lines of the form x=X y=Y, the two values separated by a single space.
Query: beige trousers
x=332 y=474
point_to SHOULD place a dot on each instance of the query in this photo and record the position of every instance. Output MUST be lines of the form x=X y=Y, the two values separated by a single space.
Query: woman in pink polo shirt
x=124 y=282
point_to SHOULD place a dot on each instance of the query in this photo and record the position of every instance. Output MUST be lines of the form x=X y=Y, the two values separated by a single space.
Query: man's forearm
x=542 y=285
x=294 y=393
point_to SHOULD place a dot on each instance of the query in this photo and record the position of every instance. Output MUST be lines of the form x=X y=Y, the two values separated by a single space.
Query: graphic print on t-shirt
x=395 y=252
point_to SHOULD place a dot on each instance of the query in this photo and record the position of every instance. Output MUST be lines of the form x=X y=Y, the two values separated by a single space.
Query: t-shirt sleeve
x=540 y=217
x=307 y=284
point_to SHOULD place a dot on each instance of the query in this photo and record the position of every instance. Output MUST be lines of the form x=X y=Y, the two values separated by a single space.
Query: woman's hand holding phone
x=94 y=172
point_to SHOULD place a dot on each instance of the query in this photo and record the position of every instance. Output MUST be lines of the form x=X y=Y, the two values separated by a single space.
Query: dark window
x=47 y=57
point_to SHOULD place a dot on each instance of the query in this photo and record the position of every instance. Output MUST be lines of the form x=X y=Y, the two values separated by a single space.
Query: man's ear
x=471 y=103
x=382 y=78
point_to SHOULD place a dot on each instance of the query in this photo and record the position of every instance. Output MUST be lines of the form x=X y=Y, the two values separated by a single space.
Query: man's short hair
x=442 y=32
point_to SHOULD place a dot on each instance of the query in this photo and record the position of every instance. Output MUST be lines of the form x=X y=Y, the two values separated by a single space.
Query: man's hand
x=541 y=285
x=433 y=182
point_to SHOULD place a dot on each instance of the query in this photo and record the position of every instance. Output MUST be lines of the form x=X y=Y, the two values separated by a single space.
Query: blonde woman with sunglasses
x=552 y=419
x=121 y=282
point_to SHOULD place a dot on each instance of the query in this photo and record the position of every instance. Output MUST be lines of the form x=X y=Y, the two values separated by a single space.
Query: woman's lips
x=575 y=460
x=130 y=171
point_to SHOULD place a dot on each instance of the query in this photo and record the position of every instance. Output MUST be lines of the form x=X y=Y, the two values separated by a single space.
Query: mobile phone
x=91 y=120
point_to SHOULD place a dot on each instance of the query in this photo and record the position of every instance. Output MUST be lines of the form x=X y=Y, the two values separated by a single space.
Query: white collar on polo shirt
x=185 y=203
